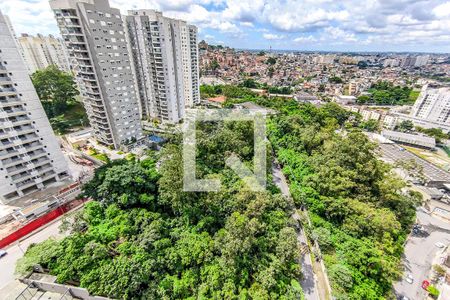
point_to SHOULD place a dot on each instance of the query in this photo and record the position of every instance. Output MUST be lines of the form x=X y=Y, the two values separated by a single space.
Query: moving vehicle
x=3 y=253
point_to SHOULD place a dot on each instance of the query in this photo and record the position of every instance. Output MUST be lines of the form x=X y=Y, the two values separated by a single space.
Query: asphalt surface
x=420 y=251
x=308 y=282
x=15 y=251
x=393 y=153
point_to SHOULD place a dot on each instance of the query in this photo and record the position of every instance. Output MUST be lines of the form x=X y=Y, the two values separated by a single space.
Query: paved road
x=419 y=255
x=8 y=262
x=309 y=282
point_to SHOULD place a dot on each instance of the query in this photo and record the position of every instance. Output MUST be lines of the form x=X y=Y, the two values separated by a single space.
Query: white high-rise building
x=165 y=61
x=13 y=34
x=42 y=51
x=391 y=62
x=422 y=60
x=94 y=35
x=30 y=156
x=433 y=105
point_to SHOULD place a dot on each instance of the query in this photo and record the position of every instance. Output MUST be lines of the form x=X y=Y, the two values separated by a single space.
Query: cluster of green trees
x=271 y=61
x=241 y=91
x=336 y=79
x=57 y=91
x=359 y=214
x=385 y=93
x=252 y=84
x=284 y=90
x=437 y=133
x=229 y=91
x=143 y=237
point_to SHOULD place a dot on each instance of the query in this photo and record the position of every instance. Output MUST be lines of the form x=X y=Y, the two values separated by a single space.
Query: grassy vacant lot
x=436 y=158
x=76 y=115
x=413 y=96
x=73 y=118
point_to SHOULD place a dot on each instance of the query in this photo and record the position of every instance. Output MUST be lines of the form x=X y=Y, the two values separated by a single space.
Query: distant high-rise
x=95 y=39
x=433 y=105
x=408 y=61
x=42 y=51
x=421 y=60
x=391 y=62
x=30 y=157
x=165 y=57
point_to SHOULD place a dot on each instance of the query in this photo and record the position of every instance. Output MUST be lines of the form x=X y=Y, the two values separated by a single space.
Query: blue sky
x=349 y=25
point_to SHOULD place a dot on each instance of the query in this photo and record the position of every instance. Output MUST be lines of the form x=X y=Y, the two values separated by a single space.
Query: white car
x=2 y=253
x=409 y=279
x=439 y=245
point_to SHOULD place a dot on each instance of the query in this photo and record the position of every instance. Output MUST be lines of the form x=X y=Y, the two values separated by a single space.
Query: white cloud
x=271 y=36
x=29 y=18
x=371 y=22
x=334 y=33
x=442 y=10
x=246 y=24
x=305 y=39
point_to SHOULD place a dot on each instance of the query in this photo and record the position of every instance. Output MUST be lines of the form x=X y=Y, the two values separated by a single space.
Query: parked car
x=3 y=253
x=409 y=279
x=439 y=245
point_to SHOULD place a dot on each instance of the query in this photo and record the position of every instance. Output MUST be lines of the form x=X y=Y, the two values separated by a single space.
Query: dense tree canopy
x=143 y=237
x=359 y=214
x=385 y=93
x=57 y=91
x=55 y=88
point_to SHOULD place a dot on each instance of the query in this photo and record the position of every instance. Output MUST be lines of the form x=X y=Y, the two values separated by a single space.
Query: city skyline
x=289 y=25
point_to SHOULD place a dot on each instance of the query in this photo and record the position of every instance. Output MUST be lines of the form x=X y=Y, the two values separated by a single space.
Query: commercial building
x=410 y=139
x=304 y=97
x=30 y=157
x=394 y=119
x=433 y=105
x=42 y=51
x=165 y=60
x=345 y=100
x=94 y=35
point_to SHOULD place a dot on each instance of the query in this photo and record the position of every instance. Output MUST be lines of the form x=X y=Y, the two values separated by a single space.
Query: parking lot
x=420 y=251
x=393 y=153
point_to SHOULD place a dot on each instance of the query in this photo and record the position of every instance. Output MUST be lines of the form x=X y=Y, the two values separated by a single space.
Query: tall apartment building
x=408 y=62
x=42 y=51
x=391 y=62
x=165 y=60
x=30 y=157
x=433 y=105
x=14 y=35
x=94 y=35
x=422 y=60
